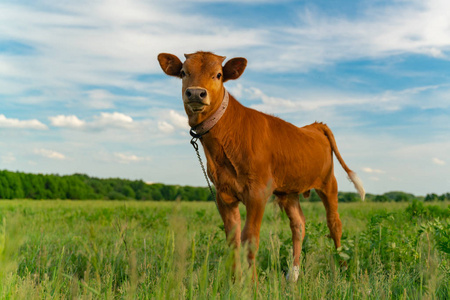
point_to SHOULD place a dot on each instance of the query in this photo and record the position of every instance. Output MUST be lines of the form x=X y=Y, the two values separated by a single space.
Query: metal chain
x=195 y=145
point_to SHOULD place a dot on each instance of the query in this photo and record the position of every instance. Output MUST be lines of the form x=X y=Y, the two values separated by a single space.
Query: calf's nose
x=196 y=94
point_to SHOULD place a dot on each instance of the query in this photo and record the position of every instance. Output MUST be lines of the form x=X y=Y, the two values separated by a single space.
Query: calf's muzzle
x=196 y=95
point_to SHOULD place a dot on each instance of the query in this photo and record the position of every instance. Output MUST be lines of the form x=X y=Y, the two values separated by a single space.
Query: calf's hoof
x=293 y=274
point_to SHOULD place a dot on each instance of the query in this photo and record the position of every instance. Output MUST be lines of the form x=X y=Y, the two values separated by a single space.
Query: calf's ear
x=170 y=64
x=234 y=68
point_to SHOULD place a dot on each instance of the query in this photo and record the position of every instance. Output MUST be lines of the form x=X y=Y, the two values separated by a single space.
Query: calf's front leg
x=229 y=211
x=250 y=234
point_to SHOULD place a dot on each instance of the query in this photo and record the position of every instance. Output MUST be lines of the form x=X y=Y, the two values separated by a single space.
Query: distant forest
x=18 y=185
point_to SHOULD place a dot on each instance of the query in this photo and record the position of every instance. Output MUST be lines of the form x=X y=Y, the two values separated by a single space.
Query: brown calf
x=251 y=155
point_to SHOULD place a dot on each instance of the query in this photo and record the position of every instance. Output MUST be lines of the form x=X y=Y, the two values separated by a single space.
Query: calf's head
x=203 y=76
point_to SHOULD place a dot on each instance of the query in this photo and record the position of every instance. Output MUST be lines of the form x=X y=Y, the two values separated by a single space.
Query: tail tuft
x=358 y=184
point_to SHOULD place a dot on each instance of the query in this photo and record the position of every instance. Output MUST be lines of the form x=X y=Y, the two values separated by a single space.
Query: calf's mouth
x=197 y=107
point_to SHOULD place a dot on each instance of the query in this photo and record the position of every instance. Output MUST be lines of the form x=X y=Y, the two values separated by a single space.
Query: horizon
x=202 y=186
x=82 y=91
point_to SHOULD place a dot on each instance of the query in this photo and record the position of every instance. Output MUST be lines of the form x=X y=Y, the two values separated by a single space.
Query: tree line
x=18 y=185
x=395 y=196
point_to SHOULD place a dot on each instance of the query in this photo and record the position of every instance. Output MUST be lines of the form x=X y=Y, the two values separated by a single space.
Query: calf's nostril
x=196 y=94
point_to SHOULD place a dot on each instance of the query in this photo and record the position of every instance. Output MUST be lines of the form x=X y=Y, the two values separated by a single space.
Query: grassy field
x=168 y=250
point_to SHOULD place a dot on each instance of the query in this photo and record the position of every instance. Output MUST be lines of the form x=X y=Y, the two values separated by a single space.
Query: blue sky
x=81 y=89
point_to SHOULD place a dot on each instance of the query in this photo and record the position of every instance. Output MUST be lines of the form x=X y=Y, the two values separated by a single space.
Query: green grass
x=168 y=250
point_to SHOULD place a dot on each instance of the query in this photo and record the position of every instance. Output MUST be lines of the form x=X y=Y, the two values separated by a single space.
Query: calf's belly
x=299 y=176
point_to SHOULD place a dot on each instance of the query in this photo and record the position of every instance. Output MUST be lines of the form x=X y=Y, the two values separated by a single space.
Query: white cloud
x=178 y=120
x=392 y=100
x=50 y=154
x=316 y=100
x=112 y=120
x=438 y=161
x=100 y=99
x=237 y=90
x=16 y=123
x=128 y=158
x=292 y=101
x=401 y=27
x=8 y=158
x=106 y=43
x=268 y=103
x=375 y=171
x=280 y=102
x=67 y=121
x=102 y=43
x=165 y=127
x=436 y=53
x=246 y=1
x=170 y=121
x=103 y=121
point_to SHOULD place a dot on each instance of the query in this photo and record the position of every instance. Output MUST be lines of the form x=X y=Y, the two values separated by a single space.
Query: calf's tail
x=351 y=175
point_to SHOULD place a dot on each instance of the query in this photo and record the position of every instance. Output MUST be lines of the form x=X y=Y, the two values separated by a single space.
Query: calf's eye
x=182 y=73
x=219 y=75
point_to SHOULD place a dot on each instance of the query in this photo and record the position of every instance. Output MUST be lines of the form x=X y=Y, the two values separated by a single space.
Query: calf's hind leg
x=291 y=205
x=329 y=196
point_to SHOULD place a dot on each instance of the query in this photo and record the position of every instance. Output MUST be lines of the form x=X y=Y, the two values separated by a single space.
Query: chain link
x=195 y=145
